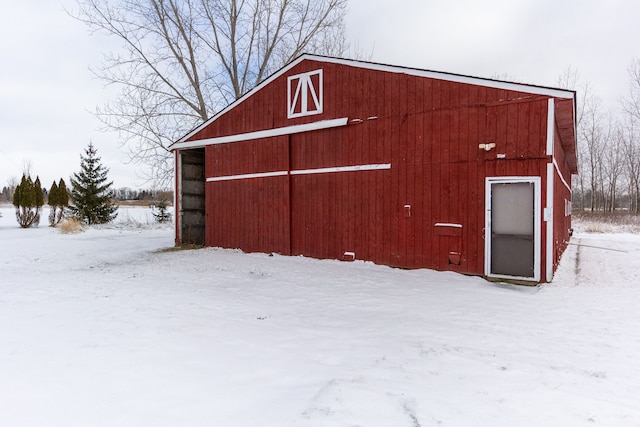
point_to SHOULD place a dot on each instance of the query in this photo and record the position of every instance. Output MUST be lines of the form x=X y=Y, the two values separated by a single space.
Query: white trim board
x=355 y=168
x=549 y=220
x=447 y=224
x=551 y=126
x=564 y=181
x=246 y=176
x=267 y=133
x=177 y=199
x=478 y=81
x=337 y=169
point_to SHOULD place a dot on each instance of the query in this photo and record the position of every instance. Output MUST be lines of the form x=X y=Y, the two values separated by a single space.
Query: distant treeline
x=125 y=193
x=120 y=194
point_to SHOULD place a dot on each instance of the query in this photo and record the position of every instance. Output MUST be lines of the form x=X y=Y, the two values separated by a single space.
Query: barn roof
x=565 y=107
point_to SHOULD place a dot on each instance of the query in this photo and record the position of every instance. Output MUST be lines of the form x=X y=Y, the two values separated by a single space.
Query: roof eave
x=459 y=78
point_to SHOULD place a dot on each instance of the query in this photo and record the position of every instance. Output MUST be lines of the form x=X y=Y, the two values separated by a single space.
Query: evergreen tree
x=63 y=193
x=53 y=203
x=28 y=198
x=161 y=212
x=58 y=201
x=37 y=188
x=91 y=191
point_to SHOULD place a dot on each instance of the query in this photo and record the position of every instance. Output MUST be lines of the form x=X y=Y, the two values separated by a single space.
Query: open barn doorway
x=191 y=197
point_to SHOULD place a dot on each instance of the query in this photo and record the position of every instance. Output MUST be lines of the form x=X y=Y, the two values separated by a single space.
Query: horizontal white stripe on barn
x=247 y=176
x=355 y=168
x=268 y=133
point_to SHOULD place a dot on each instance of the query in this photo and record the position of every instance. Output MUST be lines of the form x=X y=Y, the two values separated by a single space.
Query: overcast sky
x=47 y=90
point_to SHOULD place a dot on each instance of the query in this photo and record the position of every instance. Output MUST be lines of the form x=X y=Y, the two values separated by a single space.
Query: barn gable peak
x=305 y=90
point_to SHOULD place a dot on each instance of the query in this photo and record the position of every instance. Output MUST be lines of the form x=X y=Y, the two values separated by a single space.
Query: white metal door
x=513 y=228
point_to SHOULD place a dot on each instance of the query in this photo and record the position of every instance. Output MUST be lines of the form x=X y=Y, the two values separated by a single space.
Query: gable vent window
x=304 y=94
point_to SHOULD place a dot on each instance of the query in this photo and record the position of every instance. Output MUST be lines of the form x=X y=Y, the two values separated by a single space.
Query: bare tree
x=631 y=103
x=594 y=135
x=631 y=150
x=12 y=184
x=571 y=79
x=27 y=167
x=608 y=146
x=183 y=60
x=613 y=163
x=631 y=138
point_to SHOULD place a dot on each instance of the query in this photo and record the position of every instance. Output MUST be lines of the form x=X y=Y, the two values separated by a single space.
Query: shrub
x=28 y=199
x=161 y=212
x=70 y=226
x=58 y=201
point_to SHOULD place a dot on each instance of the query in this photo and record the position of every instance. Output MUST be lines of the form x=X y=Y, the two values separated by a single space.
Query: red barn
x=342 y=159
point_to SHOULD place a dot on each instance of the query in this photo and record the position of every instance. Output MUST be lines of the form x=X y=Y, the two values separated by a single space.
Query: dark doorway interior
x=192 y=197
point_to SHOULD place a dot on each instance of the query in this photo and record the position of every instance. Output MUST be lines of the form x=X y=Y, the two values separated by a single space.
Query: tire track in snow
x=577 y=267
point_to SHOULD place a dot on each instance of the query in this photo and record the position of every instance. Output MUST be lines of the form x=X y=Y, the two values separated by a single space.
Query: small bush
x=161 y=211
x=70 y=225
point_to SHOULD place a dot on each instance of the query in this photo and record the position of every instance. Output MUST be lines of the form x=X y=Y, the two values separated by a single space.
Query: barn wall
x=334 y=213
x=562 y=201
x=561 y=220
x=250 y=214
x=428 y=130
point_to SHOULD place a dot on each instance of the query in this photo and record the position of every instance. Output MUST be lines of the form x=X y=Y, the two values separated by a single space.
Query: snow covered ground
x=108 y=328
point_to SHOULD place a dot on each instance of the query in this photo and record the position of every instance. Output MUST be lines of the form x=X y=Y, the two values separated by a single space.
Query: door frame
x=537 y=220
